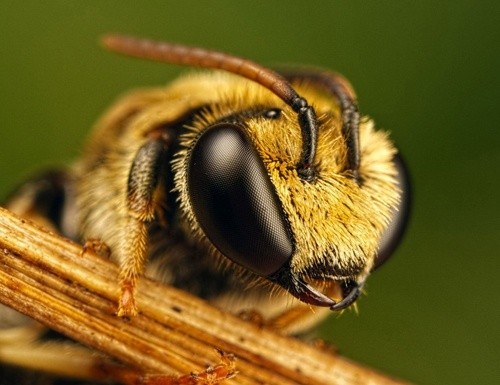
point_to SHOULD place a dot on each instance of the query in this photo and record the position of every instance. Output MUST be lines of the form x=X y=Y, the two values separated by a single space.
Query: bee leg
x=21 y=348
x=213 y=375
x=143 y=181
x=96 y=246
x=41 y=199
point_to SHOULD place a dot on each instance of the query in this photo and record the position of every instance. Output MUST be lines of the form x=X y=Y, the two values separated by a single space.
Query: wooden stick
x=49 y=279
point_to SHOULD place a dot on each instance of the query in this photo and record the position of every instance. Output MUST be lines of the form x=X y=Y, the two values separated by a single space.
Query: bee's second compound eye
x=234 y=201
x=397 y=225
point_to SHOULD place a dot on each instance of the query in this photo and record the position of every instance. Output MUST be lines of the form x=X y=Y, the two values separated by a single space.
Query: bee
x=250 y=188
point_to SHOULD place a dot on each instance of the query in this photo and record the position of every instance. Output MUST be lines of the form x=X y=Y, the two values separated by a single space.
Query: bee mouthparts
x=312 y=296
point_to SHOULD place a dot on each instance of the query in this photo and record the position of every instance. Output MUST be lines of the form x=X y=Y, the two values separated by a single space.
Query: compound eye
x=397 y=226
x=234 y=200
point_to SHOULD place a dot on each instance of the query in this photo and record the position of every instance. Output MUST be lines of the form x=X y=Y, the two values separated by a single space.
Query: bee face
x=244 y=197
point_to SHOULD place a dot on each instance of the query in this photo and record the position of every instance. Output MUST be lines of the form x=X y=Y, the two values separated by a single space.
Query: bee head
x=245 y=193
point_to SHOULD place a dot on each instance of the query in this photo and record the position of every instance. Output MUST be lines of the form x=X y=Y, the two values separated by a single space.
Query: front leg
x=142 y=188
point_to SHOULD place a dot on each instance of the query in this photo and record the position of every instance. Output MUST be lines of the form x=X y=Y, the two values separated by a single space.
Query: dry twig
x=45 y=277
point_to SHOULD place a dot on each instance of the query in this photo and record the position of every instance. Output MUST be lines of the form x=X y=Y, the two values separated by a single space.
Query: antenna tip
x=111 y=40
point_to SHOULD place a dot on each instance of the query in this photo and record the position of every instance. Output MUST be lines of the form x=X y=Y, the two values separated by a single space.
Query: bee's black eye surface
x=397 y=226
x=234 y=200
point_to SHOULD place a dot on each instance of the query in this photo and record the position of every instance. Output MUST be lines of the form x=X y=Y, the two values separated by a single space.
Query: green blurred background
x=425 y=70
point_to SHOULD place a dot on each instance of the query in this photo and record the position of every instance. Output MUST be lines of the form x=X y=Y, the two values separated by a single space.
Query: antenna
x=199 y=57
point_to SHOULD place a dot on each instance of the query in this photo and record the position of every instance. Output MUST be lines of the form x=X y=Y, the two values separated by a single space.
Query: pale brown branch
x=47 y=278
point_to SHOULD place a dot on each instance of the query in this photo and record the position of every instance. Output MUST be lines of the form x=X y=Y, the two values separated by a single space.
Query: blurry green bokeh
x=427 y=71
